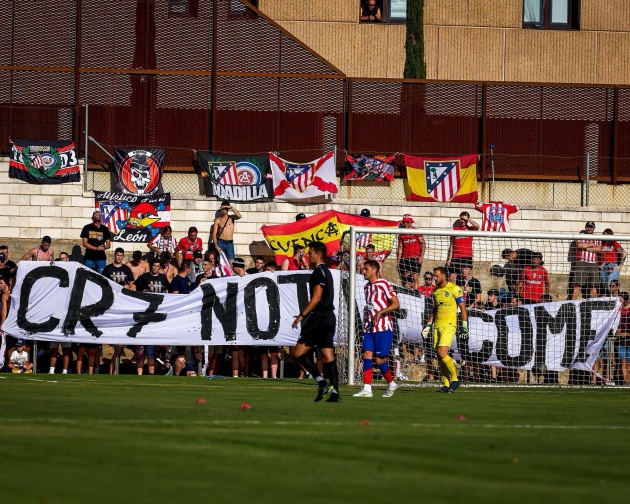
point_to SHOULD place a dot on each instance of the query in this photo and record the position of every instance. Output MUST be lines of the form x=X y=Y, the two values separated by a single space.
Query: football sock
x=367 y=373
x=65 y=371
x=450 y=368
x=332 y=373
x=444 y=372
x=309 y=365
x=385 y=371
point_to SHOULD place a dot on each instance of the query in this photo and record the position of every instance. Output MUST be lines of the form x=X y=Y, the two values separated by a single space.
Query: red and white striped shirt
x=496 y=215
x=377 y=296
x=587 y=256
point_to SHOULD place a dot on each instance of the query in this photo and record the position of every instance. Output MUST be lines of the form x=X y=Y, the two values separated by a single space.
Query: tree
x=415 y=66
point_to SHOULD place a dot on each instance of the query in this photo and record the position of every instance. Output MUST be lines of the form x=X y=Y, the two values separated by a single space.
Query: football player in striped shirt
x=378 y=327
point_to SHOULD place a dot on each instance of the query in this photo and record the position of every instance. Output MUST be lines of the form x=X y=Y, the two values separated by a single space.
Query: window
x=238 y=9
x=551 y=14
x=183 y=8
x=392 y=11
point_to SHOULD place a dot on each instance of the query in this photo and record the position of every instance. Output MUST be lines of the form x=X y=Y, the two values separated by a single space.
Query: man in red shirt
x=460 y=251
x=410 y=255
x=187 y=245
x=428 y=287
x=534 y=281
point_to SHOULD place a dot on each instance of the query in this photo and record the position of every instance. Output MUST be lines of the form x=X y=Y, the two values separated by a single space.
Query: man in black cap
x=300 y=216
x=587 y=264
x=366 y=212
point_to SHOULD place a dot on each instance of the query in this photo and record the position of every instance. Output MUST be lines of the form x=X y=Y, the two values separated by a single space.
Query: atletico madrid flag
x=451 y=179
x=303 y=180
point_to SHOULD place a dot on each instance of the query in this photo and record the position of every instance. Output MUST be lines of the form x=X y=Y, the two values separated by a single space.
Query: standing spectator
x=534 y=281
x=209 y=269
x=5 y=296
x=428 y=287
x=623 y=338
x=460 y=250
x=470 y=286
x=493 y=300
x=164 y=242
x=196 y=266
x=19 y=361
x=259 y=266
x=154 y=281
x=96 y=240
x=378 y=334
x=137 y=265
x=42 y=252
x=181 y=284
x=370 y=12
x=447 y=297
x=587 y=273
x=122 y=275
x=238 y=265
x=166 y=266
x=612 y=258
x=223 y=230
x=370 y=255
x=188 y=245
x=318 y=325
x=118 y=272
x=410 y=254
x=297 y=262
x=7 y=267
x=63 y=257
x=613 y=288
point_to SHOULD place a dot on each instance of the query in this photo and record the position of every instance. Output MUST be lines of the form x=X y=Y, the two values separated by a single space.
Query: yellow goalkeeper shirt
x=446 y=299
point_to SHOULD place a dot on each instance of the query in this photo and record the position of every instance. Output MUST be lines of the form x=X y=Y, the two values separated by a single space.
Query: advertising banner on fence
x=139 y=171
x=236 y=178
x=136 y=219
x=327 y=227
x=44 y=161
x=66 y=301
x=560 y=335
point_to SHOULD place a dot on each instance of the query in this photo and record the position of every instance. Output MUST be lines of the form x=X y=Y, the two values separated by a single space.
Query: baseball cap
x=365 y=212
x=589 y=224
x=20 y=342
x=197 y=253
x=239 y=262
x=407 y=218
x=300 y=216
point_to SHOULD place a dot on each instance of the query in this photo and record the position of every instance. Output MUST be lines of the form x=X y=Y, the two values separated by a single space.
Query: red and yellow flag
x=326 y=227
x=451 y=179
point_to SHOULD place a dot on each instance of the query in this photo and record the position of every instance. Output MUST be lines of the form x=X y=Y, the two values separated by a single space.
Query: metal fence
x=222 y=77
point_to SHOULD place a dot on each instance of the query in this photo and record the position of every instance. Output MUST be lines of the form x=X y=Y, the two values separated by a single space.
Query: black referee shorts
x=319 y=330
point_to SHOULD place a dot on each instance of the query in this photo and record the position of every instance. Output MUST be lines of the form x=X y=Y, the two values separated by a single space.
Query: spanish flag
x=328 y=227
x=444 y=180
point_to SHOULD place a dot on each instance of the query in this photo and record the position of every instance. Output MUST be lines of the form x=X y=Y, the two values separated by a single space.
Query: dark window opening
x=551 y=14
x=390 y=11
x=183 y=8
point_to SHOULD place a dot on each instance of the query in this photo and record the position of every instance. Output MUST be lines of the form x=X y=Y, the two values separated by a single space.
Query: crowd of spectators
x=178 y=267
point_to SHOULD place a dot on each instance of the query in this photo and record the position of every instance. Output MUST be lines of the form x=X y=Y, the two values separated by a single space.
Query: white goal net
x=542 y=308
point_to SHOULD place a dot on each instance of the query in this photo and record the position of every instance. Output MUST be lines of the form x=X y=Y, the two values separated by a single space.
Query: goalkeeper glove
x=426 y=331
x=464 y=332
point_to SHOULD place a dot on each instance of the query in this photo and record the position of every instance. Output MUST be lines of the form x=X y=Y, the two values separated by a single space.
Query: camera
x=3 y=257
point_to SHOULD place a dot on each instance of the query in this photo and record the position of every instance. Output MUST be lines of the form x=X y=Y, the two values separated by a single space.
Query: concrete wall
x=467 y=40
x=28 y=212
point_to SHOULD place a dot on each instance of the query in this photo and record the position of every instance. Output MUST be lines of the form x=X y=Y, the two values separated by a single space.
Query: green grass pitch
x=92 y=439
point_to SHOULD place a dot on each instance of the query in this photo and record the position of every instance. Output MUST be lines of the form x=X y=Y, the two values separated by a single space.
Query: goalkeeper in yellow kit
x=446 y=298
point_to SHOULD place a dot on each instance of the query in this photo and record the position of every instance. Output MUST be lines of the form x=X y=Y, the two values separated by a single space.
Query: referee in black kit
x=318 y=325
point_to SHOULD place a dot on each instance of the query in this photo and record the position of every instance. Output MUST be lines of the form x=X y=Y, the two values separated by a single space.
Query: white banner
x=65 y=301
x=560 y=335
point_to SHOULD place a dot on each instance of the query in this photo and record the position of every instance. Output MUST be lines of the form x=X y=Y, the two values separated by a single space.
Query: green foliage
x=415 y=65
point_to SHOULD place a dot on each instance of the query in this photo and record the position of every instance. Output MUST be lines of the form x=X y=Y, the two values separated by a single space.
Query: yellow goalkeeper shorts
x=443 y=336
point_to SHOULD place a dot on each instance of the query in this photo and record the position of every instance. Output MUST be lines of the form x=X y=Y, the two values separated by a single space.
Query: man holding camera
x=223 y=230
x=7 y=267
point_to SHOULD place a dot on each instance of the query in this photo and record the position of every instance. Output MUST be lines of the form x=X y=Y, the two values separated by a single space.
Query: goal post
x=523 y=337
